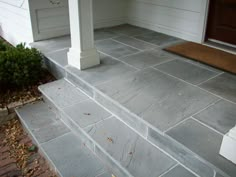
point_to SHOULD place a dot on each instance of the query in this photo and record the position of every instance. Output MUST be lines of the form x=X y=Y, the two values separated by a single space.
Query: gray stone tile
x=54 y=44
x=223 y=85
x=134 y=153
x=158 y=98
x=39 y=120
x=49 y=131
x=211 y=68
x=30 y=109
x=157 y=38
x=146 y=59
x=220 y=116
x=44 y=124
x=62 y=93
x=129 y=30
x=141 y=45
x=71 y=158
x=117 y=170
x=132 y=120
x=86 y=113
x=101 y=34
x=204 y=142
x=180 y=153
x=114 y=49
x=107 y=70
x=59 y=57
x=179 y=171
x=186 y=71
x=78 y=131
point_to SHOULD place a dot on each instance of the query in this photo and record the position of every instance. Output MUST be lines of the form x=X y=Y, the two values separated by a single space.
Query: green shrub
x=3 y=45
x=20 y=66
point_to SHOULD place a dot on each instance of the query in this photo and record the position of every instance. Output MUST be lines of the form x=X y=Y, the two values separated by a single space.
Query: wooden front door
x=221 y=24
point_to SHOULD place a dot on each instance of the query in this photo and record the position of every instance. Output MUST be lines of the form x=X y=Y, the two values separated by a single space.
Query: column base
x=228 y=146
x=83 y=60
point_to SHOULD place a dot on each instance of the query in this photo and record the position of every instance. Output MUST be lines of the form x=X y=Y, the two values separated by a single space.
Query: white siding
x=15 y=24
x=180 y=18
x=109 y=12
x=52 y=20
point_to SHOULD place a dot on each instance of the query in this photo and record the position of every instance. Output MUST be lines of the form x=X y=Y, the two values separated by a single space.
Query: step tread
x=63 y=149
x=113 y=137
x=151 y=101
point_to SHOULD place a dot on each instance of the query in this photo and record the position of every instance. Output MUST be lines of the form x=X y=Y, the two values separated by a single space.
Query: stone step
x=101 y=82
x=64 y=151
x=115 y=95
x=125 y=151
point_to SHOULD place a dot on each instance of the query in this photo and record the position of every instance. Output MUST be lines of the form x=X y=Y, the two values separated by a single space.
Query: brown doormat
x=204 y=54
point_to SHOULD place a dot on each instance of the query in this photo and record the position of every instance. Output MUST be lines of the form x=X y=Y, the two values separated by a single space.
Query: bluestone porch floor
x=193 y=103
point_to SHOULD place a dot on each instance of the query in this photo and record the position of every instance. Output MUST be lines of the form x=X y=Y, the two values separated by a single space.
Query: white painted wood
x=185 y=19
x=49 y=19
x=228 y=146
x=181 y=18
x=108 y=13
x=15 y=21
x=52 y=20
x=82 y=53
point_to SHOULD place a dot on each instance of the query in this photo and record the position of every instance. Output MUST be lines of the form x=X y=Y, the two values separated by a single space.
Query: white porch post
x=82 y=53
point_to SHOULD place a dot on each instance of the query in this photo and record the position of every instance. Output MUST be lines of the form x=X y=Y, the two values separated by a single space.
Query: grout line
x=117 y=59
x=171 y=168
x=180 y=122
x=154 y=45
x=212 y=104
x=59 y=135
x=126 y=45
x=110 y=38
x=207 y=126
x=107 y=118
x=209 y=79
x=194 y=86
x=169 y=60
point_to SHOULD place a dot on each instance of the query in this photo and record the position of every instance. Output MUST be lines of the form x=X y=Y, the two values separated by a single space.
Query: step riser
x=88 y=141
x=155 y=137
x=56 y=70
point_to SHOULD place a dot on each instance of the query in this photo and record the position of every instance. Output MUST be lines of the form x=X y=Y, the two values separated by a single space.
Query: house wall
x=15 y=21
x=180 y=18
x=52 y=19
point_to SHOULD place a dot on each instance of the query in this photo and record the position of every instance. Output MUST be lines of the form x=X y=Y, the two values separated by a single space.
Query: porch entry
x=221 y=25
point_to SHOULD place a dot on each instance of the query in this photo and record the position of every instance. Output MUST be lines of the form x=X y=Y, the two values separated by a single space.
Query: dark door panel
x=222 y=21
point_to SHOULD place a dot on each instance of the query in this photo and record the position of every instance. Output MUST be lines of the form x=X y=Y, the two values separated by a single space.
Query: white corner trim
x=228 y=146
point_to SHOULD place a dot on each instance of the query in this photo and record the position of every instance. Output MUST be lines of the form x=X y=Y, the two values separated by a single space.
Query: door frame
x=204 y=33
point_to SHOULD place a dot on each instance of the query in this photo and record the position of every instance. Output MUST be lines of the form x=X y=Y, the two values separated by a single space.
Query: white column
x=82 y=53
x=228 y=146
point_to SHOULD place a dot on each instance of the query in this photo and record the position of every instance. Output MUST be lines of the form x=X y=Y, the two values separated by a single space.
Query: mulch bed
x=18 y=155
x=20 y=96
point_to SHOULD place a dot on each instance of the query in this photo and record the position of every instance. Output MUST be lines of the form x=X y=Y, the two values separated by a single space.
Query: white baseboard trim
x=165 y=30
x=102 y=23
x=228 y=146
